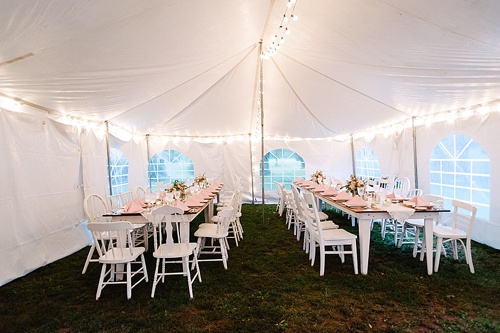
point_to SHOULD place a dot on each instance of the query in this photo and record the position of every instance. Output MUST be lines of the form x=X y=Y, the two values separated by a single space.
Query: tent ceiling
x=191 y=67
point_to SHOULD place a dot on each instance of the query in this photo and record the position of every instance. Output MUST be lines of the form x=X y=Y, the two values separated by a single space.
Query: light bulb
x=295 y=17
x=285 y=19
x=287 y=31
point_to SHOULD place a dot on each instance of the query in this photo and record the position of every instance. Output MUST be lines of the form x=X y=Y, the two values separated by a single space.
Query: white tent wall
x=94 y=161
x=387 y=149
x=40 y=193
x=137 y=154
x=484 y=130
x=395 y=155
x=218 y=160
x=332 y=157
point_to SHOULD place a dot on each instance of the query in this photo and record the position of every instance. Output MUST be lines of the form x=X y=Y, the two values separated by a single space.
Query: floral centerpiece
x=318 y=177
x=179 y=186
x=201 y=179
x=353 y=185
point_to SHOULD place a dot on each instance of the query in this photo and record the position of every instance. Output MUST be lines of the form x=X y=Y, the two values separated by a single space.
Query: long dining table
x=144 y=217
x=365 y=215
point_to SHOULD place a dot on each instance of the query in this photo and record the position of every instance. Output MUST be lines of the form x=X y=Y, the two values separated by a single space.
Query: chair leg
x=223 y=251
x=144 y=268
x=155 y=278
x=321 y=260
x=415 y=243
x=195 y=264
x=438 y=253
x=101 y=281
x=312 y=251
x=89 y=258
x=129 y=280
x=340 y=248
x=187 y=272
x=197 y=251
x=468 y=254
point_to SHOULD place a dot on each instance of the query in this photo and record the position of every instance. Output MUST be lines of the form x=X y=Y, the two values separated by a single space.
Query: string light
x=278 y=39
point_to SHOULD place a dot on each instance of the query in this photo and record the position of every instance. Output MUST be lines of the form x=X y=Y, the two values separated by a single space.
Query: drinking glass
x=169 y=196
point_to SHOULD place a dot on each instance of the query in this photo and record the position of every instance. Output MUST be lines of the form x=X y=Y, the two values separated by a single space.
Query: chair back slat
x=95 y=207
x=121 y=244
x=169 y=227
x=464 y=215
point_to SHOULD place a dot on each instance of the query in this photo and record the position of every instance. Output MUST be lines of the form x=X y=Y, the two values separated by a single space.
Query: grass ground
x=269 y=287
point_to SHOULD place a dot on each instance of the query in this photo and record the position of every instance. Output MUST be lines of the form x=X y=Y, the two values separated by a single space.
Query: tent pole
x=149 y=158
x=414 y=138
x=351 y=139
x=261 y=97
x=251 y=166
x=110 y=189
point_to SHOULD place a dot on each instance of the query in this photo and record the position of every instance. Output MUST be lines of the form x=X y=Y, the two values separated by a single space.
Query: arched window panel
x=460 y=169
x=168 y=166
x=118 y=163
x=367 y=165
x=282 y=166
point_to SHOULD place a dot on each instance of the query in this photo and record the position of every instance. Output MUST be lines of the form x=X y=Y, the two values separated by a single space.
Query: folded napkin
x=181 y=205
x=343 y=196
x=162 y=194
x=207 y=194
x=395 y=196
x=318 y=188
x=419 y=202
x=330 y=191
x=399 y=212
x=356 y=201
x=298 y=180
x=133 y=207
x=193 y=201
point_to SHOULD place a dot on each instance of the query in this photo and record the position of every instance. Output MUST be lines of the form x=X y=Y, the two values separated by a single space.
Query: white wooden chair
x=411 y=228
x=118 y=254
x=401 y=186
x=140 y=192
x=218 y=232
x=173 y=247
x=464 y=215
x=336 y=239
x=95 y=207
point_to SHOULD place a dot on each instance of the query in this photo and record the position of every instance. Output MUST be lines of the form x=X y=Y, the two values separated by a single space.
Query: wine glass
x=169 y=196
x=177 y=195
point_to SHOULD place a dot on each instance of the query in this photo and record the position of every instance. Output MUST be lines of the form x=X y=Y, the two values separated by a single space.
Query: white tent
x=196 y=76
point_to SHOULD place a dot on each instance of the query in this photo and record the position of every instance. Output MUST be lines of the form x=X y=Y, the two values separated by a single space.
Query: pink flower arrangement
x=353 y=185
